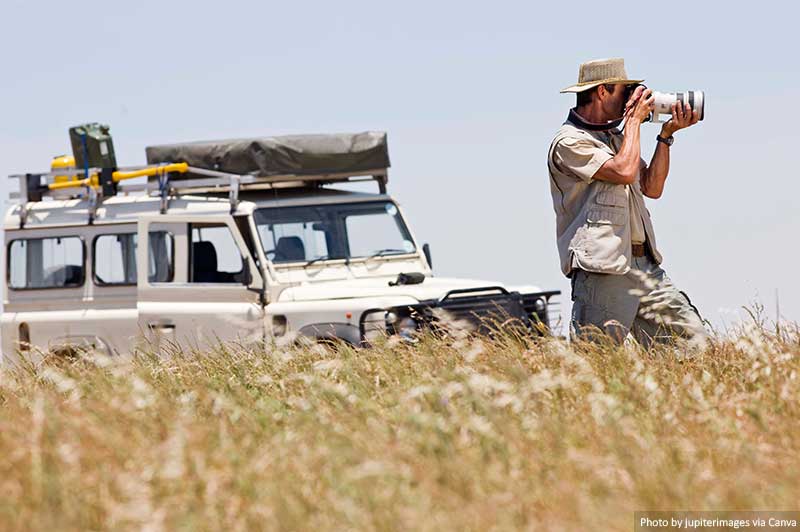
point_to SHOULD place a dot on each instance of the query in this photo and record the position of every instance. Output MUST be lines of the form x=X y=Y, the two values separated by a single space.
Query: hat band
x=601 y=81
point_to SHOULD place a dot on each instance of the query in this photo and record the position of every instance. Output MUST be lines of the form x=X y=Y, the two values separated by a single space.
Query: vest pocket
x=612 y=199
x=606 y=217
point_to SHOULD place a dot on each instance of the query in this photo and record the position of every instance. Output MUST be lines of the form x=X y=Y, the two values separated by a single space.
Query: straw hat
x=599 y=72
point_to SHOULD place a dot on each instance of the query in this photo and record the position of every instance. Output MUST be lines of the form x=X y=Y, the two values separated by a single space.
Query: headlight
x=406 y=327
x=377 y=323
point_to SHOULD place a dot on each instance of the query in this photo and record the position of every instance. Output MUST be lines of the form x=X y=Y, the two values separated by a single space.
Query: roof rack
x=100 y=183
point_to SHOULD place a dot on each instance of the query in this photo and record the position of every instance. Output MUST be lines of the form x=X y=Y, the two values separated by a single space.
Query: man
x=605 y=236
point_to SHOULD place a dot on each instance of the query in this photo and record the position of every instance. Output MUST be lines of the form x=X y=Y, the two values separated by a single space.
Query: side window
x=46 y=263
x=160 y=257
x=114 y=259
x=214 y=255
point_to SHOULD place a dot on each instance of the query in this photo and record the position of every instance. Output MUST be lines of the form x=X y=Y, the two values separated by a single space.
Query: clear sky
x=468 y=92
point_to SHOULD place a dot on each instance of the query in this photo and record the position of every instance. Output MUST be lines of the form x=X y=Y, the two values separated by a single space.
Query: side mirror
x=426 y=249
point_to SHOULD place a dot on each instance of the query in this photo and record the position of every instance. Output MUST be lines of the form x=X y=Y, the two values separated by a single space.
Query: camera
x=663 y=102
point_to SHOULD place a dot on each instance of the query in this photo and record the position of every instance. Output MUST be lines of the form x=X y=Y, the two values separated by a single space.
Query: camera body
x=663 y=102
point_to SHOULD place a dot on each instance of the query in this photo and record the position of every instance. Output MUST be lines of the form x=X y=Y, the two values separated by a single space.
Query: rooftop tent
x=284 y=155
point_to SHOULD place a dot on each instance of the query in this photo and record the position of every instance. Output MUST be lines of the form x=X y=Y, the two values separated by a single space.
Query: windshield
x=342 y=231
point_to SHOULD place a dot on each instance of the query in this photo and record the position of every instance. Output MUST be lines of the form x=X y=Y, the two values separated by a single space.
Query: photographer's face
x=613 y=102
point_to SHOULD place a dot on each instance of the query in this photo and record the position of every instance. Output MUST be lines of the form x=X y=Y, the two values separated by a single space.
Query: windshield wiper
x=309 y=263
x=325 y=257
x=378 y=253
x=386 y=251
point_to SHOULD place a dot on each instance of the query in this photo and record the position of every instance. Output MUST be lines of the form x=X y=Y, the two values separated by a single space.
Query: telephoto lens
x=664 y=101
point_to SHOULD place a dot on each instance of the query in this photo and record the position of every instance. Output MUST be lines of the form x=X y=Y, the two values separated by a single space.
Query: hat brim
x=580 y=87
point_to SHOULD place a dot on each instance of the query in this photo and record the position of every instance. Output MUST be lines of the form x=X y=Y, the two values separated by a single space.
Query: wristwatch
x=668 y=141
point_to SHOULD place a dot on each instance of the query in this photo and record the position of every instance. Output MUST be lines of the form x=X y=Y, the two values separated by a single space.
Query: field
x=450 y=433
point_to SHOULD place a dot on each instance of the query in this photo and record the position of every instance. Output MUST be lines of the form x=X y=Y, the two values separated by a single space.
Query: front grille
x=485 y=313
x=481 y=310
x=543 y=308
x=492 y=308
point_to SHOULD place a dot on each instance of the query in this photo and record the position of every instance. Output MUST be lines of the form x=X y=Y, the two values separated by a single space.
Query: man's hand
x=640 y=104
x=682 y=117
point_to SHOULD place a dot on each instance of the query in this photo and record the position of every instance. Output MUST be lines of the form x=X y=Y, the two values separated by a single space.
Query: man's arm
x=623 y=167
x=653 y=177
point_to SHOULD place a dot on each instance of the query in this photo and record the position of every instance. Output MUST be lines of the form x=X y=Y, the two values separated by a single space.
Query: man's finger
x=634 y=98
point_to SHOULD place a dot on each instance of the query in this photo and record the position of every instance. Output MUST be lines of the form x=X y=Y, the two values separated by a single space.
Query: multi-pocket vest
x=593 y=225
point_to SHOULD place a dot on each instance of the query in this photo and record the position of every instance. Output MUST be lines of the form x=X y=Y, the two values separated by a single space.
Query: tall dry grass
x=446 y=434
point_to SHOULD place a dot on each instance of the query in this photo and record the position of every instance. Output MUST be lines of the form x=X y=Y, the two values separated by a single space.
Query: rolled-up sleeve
x=579 y=157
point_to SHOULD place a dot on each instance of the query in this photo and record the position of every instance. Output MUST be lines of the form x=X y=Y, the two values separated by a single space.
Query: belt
x=638 y=250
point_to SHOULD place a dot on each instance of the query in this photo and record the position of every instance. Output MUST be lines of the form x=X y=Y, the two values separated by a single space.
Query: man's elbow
x=617 y=172
x=625 y=178
x=652 y=194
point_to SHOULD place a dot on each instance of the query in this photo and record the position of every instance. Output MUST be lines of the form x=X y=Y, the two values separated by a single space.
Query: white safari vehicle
x=229 y=240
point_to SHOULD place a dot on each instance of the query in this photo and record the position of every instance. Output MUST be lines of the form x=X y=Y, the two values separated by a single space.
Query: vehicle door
x=197 y=282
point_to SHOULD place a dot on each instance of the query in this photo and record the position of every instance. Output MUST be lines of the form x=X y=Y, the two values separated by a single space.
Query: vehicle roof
x=126 y=209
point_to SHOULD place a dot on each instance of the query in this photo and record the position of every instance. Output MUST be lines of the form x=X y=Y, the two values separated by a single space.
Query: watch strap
x=668 y=140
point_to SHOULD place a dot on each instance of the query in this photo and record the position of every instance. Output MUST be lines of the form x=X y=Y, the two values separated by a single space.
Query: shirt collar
x=577 y=120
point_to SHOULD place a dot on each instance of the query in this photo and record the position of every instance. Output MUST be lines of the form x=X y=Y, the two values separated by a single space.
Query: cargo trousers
x=643 y=302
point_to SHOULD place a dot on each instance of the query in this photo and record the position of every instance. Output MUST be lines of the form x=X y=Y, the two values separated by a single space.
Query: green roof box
x=92 y=146
x=284 y=155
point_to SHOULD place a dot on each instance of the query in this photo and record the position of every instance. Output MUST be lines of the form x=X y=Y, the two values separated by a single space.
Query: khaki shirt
x=596 y=221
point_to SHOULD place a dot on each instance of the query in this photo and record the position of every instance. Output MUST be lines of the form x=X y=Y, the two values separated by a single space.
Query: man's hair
x=585 y=97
